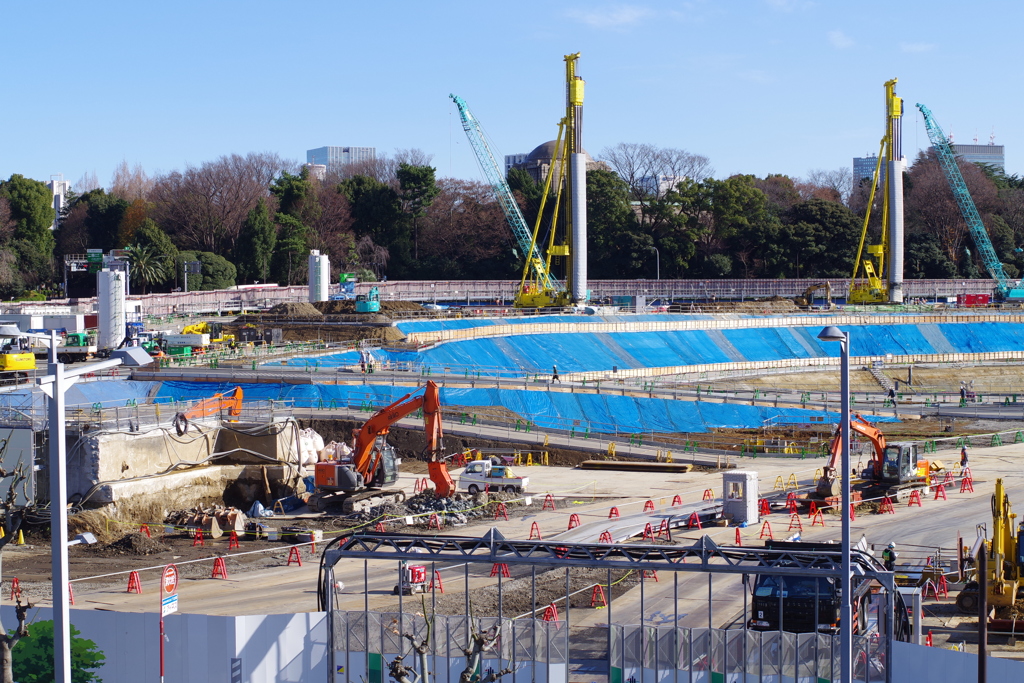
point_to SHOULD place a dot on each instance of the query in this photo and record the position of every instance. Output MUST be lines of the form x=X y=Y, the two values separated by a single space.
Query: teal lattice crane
x=505 y=197
x=963 y=199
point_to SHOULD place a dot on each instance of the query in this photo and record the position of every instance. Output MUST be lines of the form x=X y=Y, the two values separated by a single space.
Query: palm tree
x=147 y=267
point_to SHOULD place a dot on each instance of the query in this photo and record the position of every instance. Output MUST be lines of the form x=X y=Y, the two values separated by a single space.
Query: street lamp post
x=54 y=385
x=657 y=263
x=832 y=333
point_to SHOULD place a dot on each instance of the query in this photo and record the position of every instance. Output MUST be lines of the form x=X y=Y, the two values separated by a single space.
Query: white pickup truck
x=481 y=474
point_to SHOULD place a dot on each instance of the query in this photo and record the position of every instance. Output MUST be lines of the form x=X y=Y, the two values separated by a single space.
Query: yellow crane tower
x=878 y=275
x=567 y=234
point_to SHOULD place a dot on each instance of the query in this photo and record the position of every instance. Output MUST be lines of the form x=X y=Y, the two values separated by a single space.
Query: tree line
x=254 y=218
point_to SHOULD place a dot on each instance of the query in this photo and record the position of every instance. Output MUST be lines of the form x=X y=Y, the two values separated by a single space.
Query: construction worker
x=963 y=457
x=889 y=556
x=554 y=374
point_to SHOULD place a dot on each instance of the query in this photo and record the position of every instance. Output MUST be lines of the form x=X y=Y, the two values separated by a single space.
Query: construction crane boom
x=878 y=268
x=503 y=192
x=963 y=199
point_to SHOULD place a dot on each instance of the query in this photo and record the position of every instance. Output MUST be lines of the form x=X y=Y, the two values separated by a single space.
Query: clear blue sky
x=758 y=86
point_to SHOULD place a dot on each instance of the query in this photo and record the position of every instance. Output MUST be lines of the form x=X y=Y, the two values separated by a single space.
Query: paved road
x=918 y=531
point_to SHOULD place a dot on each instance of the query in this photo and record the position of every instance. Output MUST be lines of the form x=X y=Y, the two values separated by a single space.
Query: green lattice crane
x=544 y=285
x=1005 y=288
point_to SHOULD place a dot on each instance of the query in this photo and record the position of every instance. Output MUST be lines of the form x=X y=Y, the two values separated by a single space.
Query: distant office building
x=339 y=157
x=660 y=184
x=318 y=171
x=992 y=155
x=60 y=189
x=864 y=167
x=513 y=159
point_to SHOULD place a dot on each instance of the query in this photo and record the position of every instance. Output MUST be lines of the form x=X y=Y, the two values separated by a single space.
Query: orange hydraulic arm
x=218 y=402
x=366 y=458
x=210 y=406
x=863 y=427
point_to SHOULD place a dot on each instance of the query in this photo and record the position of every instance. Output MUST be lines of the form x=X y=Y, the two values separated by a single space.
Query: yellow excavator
x=1004 y=562
x=215 y=330
x=806 y=300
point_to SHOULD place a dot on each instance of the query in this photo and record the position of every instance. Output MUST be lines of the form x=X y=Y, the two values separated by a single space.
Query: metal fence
x=500 y=292
x=365 y=643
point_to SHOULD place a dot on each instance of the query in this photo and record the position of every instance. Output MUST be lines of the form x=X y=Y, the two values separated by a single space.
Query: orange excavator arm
x=864 y=428
x=366 y=459
x=216 y=403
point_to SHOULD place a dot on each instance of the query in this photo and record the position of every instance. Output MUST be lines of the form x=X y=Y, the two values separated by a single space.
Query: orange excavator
x=360 y=479
x=893 y=465
x=217 y=403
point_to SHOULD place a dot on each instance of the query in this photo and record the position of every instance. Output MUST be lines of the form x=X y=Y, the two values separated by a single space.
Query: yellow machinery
x=1004 y=558
x=16 y=357
x=869 y=283
x=215 y=330
x=806 y=299
x=560 y=243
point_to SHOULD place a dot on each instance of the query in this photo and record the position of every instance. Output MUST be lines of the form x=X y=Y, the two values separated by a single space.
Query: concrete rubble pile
x=453 y=511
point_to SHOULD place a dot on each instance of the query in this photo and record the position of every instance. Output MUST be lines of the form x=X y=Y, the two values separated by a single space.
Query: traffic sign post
x=168 y=605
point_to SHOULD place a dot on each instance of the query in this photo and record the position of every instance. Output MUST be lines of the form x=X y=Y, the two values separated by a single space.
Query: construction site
x=353 y=483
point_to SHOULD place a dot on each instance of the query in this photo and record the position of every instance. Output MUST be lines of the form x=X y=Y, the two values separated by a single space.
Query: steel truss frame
x=703 y=556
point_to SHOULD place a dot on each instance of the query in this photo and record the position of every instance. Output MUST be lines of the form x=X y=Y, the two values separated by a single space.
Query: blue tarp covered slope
x=553 y=410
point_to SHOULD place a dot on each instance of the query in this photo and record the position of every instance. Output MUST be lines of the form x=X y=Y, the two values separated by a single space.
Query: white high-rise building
x=337 y=157
x=60 y=189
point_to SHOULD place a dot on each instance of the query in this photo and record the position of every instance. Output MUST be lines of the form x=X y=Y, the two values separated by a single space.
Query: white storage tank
x=319 y=275
x=110 y=308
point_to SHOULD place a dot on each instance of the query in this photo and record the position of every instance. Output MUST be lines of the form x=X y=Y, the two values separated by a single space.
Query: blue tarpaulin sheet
x=552 y=410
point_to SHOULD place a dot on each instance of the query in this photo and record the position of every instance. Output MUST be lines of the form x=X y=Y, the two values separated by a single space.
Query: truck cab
x=481 y=475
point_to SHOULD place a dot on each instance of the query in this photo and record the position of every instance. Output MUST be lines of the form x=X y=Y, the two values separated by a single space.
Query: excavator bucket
x=443 y=485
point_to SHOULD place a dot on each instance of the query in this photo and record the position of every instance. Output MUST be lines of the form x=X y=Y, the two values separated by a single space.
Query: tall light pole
x=54 y=385
x=832 y=333
x=657 y=262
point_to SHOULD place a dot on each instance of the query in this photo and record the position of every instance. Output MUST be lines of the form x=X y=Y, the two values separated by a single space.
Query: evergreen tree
x=257 y=240
x=289 y=263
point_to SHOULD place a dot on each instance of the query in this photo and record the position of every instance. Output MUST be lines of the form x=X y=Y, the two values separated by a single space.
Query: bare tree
x=651 y=171
x=87 y=182
x=203 y=207
x=330 y=227
x=682 y=164
x=6 y=222
x=13 y=512
x=131 y=184
x=382 y=168
x=931 y=207
x=480 y=642
x=464 y=228
x=372 y=256
x=837 y=183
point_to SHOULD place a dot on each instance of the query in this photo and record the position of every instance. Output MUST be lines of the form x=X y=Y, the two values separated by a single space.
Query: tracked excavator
x=893 y=466
x=806 y=300
x=361 y=480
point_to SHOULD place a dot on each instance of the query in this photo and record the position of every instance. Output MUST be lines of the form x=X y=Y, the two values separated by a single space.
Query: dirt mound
x=136 y=544
x=301 y=309
x=348 y=307
x=399 y=306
